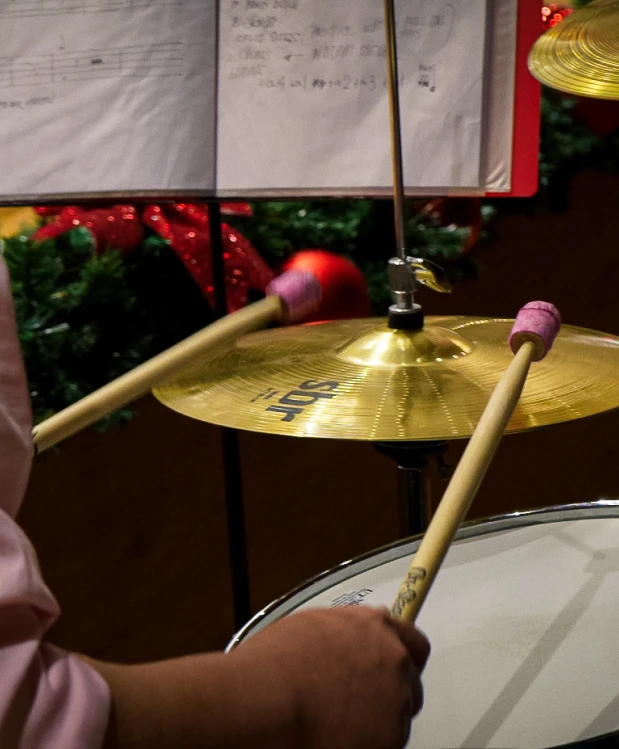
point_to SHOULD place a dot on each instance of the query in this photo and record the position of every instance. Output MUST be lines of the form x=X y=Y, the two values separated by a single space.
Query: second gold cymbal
x=360 y=380
x=580 y=55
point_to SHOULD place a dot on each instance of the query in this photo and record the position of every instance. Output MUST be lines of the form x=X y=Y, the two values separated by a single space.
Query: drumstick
x=291 y=297
x=532 y=336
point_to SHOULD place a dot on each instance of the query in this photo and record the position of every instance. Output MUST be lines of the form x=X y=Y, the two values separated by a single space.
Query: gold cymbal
x=580 y=55
x=360 y=380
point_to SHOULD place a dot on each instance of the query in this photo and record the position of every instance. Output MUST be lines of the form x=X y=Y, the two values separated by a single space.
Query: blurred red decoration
x=48 y=210
x=227 y=209
x=554 y=13
x=344 y=289
x=116 y=227
x=186 y=227
x=237 y=209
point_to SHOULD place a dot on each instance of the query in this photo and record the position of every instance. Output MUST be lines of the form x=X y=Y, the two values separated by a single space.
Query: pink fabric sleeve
x=48 y=698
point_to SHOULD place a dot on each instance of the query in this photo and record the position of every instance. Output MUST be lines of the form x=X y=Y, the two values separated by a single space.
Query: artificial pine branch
x=84 y=320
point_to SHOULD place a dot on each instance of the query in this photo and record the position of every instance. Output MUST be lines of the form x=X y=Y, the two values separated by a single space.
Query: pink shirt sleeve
x=48 y=698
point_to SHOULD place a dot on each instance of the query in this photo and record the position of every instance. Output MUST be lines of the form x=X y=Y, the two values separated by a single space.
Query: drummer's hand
x=318 y=680
x=354 y=674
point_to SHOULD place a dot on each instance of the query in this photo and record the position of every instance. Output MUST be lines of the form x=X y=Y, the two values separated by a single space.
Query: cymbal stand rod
x=404 y=313
x=396 y=128
x=412 y=460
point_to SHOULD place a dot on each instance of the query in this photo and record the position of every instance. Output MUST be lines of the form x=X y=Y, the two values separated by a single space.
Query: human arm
x=339 y=678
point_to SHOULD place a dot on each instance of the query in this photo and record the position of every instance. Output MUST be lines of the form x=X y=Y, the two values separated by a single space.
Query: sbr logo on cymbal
x=295 y=402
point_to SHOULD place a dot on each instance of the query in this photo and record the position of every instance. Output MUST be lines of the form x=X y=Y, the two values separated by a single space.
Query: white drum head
x=524 y=624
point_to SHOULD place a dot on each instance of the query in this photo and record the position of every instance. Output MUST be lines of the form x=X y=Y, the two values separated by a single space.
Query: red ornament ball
x=554 y=13
x=344 y=289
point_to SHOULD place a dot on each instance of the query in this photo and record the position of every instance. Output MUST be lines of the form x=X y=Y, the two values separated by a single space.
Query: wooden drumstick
x=291 y=297
x=532 y=336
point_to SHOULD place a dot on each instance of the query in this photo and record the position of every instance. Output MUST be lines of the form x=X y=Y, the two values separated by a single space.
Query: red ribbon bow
x=185 y=226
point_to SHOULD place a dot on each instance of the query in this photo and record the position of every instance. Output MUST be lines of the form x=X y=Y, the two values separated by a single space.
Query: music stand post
x=231 y=453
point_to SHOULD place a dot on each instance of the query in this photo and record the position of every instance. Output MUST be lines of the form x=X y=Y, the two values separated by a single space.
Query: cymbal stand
x=405 y=272
x=412 y=459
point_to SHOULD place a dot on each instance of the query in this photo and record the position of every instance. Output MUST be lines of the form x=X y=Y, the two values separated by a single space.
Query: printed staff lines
x=42 y=8
x=137 y=61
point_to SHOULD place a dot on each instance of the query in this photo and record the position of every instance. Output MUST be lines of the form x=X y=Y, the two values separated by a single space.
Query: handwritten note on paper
x=303 y=94
x=106 y=95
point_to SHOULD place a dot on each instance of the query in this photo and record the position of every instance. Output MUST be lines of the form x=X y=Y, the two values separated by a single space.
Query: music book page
x=107 y=95
x=134 y=98
x=302 y=94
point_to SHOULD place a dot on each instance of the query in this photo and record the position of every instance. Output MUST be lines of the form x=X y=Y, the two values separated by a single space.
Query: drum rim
x=473 y=528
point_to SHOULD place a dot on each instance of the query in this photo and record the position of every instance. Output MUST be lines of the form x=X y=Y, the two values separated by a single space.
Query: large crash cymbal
x=360 y=380
x=580 y=55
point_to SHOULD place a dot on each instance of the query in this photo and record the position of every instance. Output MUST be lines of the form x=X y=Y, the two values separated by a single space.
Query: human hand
x=353 y=674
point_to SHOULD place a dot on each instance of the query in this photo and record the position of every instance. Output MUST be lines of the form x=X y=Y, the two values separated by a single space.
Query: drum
x=524 y=624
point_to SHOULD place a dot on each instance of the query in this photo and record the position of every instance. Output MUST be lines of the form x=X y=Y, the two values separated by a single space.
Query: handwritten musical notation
x=344 y=82
x=287 y=63
x=264 y=37
x=41 y=8
x=138 y=61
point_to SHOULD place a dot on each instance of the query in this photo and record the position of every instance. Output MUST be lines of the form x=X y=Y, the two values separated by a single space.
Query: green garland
x=360 y=229
x=84 y=320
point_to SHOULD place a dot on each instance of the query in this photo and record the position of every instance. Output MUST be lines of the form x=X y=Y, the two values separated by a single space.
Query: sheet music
x=302 y=94
x=106 y=95
x=119 y=96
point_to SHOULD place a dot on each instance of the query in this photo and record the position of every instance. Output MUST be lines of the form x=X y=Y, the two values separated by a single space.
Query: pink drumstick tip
x=538 y=322
x=300 y=292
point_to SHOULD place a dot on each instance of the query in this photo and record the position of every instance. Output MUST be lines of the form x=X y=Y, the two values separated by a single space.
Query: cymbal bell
x=580 y=55
x=361 y=380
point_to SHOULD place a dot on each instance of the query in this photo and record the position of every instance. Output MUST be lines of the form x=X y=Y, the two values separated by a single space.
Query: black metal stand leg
x=233 y=482
x=415 y=498
x=237 y=539
x=412 y=460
